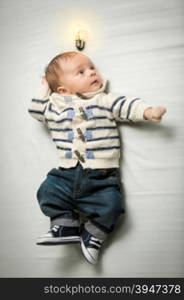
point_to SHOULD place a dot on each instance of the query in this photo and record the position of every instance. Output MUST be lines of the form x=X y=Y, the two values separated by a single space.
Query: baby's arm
x=39 y=103
x=133 y=109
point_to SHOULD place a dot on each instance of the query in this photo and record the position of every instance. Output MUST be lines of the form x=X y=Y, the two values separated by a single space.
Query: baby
x=82 y=119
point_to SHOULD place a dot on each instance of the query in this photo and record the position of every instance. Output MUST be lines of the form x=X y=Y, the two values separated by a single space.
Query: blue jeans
x=95 y=192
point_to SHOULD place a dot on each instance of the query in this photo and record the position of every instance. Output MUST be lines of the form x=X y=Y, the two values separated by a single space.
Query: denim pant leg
x=55 y=198
x=102 y=199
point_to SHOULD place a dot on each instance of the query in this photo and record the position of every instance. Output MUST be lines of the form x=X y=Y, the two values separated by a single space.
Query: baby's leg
x=102 y=199
x=55 y=200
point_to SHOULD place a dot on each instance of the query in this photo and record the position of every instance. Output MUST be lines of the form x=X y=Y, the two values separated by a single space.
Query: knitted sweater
x=84 y=127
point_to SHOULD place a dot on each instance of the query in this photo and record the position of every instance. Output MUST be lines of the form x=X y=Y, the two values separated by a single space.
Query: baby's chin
x=94 y=88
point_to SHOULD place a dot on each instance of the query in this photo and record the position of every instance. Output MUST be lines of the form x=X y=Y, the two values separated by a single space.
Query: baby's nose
x=92 y=72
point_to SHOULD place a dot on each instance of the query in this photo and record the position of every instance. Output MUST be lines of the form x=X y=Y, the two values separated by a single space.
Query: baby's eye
x=92 y=67
x=81 y=72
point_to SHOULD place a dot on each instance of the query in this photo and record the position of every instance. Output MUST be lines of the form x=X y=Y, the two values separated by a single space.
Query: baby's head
x=71 y=73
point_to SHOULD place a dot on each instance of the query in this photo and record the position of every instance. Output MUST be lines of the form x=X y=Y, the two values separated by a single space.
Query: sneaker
x=90 y=246
x=60 y=235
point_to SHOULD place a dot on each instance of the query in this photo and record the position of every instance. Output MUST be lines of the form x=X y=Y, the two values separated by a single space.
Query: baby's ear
x=62 y=90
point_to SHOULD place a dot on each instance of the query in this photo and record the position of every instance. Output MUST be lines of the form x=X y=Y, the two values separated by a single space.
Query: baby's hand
x=154 y=114
x=44 y=82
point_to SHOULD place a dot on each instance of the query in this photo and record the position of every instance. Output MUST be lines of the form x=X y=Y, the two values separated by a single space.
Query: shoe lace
x=55 y=228
x=96 y=242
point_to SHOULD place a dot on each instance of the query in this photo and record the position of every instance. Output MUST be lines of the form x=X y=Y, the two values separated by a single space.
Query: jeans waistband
x=78 y=165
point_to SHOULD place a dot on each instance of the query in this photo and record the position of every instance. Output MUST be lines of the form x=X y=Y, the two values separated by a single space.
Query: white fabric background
x=138 y=45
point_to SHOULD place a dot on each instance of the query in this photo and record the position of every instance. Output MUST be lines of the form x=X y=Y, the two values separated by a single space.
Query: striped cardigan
x=84 y=127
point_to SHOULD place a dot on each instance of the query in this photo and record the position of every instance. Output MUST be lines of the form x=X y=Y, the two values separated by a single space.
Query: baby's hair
x=53 y=70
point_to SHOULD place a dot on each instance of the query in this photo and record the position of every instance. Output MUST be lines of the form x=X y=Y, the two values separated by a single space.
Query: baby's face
x=80 y=75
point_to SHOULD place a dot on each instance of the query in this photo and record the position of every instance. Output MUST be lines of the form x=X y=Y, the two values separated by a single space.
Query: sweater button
x=82 y=113
x=81 y=135
x=79 y=155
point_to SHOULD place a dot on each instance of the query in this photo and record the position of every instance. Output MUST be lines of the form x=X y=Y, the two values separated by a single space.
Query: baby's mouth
x=94 y=81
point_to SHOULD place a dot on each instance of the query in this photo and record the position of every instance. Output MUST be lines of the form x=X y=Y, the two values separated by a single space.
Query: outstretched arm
x=134 y=109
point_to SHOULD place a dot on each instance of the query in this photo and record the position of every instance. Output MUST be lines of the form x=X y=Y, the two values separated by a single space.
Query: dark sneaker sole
x=58 y=241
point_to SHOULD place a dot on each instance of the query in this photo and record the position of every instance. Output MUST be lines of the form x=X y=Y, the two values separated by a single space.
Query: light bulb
x=80 y=38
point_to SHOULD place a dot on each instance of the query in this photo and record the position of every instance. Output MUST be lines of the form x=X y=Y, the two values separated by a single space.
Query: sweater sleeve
x=39 y=103
x=127 y=108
